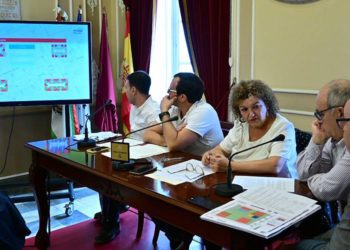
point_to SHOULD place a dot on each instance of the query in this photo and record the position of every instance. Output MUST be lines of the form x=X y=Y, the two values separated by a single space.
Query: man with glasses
x=198 y=128
x=324 y=164
x=197 y=131
x=339 y=237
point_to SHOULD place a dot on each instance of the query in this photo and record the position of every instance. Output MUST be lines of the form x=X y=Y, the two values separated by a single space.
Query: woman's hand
x=206 y=158
x=217 y=162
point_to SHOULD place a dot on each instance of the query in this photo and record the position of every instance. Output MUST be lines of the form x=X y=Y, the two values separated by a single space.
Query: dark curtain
x=207 y=28
x=140 y=32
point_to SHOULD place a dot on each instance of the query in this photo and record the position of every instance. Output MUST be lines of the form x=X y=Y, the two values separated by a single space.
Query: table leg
x=37 y=177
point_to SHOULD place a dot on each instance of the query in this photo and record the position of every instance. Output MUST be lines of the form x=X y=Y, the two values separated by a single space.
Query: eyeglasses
x=342 y=121
x=320 y=113
x=191 y=171
x=195 y=171
x=171 y=91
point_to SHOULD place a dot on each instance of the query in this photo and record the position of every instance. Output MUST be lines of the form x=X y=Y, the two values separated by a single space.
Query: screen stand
x=119 y=165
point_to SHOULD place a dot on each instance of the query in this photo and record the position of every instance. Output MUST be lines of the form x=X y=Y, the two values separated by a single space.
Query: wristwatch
x=163 y=114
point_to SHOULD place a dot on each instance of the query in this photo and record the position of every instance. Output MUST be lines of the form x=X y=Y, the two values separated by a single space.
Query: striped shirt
x=326 y=168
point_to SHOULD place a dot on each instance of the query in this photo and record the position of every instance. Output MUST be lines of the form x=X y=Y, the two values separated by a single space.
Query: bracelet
x=163 y=114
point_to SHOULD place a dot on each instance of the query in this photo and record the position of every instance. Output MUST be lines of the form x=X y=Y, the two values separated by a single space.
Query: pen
x=172 y=159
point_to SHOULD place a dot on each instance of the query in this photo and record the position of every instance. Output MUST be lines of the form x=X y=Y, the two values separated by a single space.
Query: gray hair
x=339 y=92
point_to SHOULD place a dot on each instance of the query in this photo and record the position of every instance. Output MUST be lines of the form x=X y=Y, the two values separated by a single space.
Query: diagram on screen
x=44 y=62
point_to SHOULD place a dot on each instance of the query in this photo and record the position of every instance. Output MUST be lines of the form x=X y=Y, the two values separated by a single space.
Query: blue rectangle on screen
x=21 y=46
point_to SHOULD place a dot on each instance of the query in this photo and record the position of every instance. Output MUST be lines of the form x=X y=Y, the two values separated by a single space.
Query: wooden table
x=156 y=198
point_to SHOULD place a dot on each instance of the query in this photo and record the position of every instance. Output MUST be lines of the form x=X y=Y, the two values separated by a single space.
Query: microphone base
x=223 y=190
x=83 y=144
x=124 y=166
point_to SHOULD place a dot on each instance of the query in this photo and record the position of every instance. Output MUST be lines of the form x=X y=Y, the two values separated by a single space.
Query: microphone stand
x=175 y=118
x=87 y=142
x=228 y=189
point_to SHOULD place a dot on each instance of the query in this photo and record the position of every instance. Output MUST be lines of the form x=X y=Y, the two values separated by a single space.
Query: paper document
x=100 y=136
x=139 y=151
x=187 y=171
x=263 y=211
x=248 y=182
x=146 y=150
x=132 y=142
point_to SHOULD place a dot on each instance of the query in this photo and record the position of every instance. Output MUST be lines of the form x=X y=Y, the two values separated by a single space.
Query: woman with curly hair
x=256 y=109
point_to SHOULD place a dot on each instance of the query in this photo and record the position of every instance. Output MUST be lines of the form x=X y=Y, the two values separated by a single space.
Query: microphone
x=174 y=118
x=87 y=142
x=121 y=164
x=228 y=189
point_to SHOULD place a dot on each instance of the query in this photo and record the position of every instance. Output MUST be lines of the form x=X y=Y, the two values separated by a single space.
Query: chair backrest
x=302 y=139
x=225 y=127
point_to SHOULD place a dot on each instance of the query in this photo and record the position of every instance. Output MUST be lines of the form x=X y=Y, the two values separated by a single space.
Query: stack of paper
x=264 y=211
x=139 y=149
x=248 y=182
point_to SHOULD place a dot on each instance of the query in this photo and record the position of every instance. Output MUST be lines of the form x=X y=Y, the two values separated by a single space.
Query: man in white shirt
x=198 y=128
x=144 y=112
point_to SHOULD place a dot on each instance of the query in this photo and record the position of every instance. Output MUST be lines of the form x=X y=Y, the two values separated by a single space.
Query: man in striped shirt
x=338 y=238
x=325 y=163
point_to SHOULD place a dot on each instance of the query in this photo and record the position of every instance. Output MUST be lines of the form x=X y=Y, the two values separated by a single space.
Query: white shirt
x=143 y=116
x=203 y=120
x=238 y=139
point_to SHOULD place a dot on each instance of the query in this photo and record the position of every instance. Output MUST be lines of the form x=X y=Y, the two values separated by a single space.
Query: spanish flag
x=128 y=68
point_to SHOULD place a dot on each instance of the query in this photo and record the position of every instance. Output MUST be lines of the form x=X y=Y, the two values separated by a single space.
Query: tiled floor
x=86 y=204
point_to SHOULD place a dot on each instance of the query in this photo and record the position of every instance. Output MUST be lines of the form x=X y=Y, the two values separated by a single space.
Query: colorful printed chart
x=242 y=214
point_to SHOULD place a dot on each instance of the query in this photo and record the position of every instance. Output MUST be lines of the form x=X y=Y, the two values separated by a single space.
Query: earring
x=241 y=119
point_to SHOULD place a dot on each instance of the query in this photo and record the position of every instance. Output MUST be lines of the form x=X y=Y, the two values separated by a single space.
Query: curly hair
x=257 y=88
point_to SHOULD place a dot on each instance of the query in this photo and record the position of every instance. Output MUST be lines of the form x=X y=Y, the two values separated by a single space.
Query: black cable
x=9 y=140
x=70 y=145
